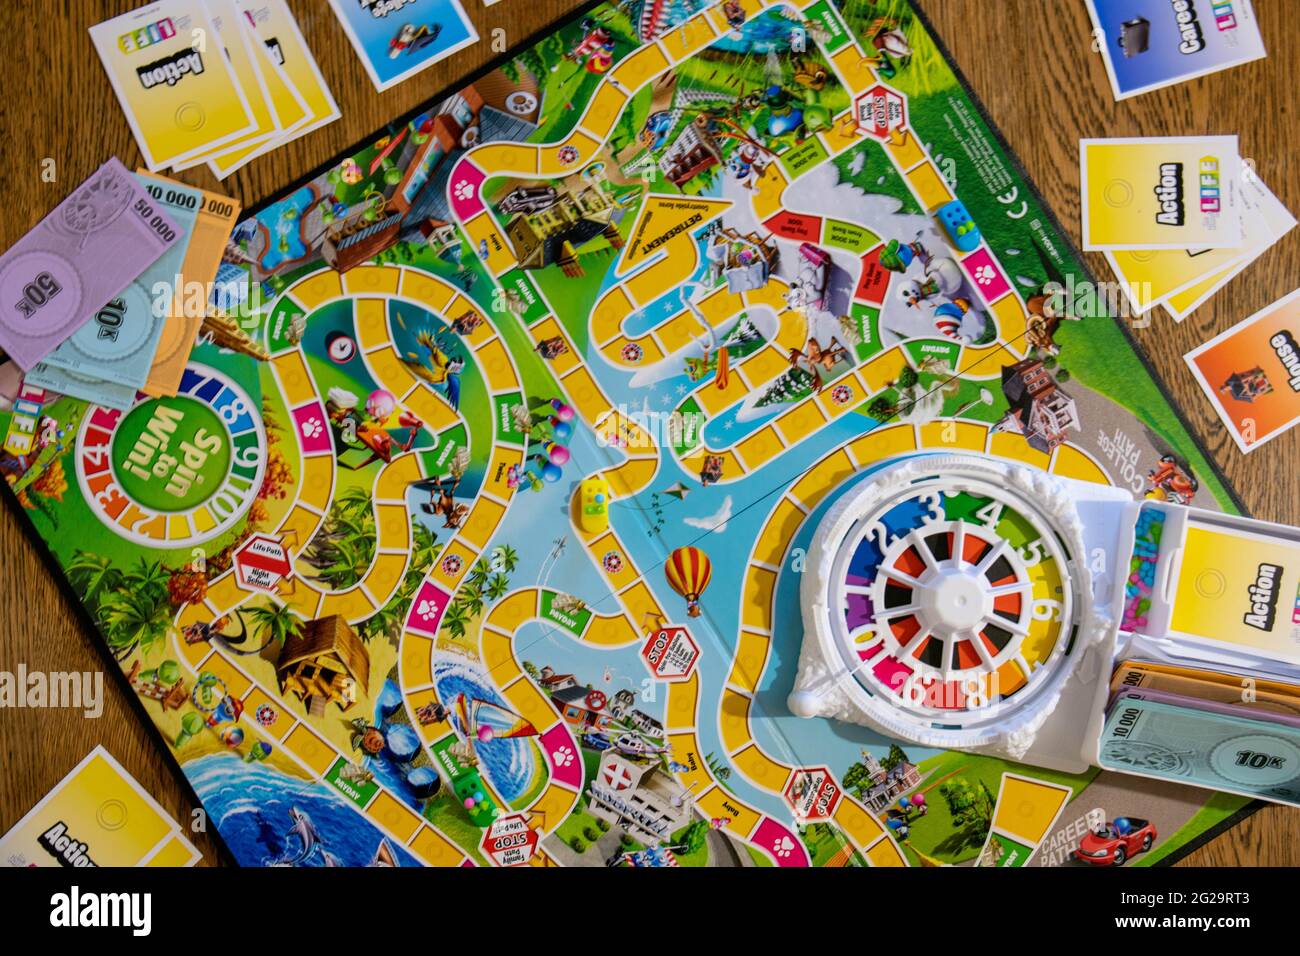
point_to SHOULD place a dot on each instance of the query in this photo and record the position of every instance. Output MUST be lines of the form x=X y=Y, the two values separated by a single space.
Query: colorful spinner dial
x=940 y=597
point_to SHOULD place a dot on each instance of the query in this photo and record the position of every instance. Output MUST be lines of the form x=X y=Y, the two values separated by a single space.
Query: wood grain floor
x=1030 y=61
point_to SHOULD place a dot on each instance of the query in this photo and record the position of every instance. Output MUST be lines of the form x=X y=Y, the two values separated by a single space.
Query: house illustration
x=887 y=785
x=1037 y=407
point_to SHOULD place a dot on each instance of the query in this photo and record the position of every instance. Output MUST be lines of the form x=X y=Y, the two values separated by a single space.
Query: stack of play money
x=104 y=298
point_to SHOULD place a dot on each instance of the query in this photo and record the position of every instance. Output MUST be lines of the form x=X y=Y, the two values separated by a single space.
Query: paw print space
x=464 y=190
x=312 y=427
x=562 y=756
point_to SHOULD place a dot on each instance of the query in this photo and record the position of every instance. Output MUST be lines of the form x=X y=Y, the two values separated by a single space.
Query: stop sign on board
x=813 y=794
x=671 y=653
x=509 y=841
x=879 y=111
x=261 y=563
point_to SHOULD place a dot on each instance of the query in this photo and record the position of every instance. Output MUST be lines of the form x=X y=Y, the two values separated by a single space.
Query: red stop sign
x=509 y=841
x=671 y=653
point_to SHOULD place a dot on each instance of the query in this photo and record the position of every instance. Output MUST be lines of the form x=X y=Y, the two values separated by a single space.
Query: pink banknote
x=55 y=278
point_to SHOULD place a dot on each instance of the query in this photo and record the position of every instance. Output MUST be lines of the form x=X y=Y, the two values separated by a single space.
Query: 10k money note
x=1204 y=749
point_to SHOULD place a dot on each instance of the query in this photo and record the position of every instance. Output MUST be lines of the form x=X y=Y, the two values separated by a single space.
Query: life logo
x=1210 y=185
x=147 y=36
x=1169 y=190
x=1225 y=18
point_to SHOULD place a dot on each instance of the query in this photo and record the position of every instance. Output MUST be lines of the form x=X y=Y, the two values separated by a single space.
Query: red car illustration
x=1116 y=841
x=1171 y=482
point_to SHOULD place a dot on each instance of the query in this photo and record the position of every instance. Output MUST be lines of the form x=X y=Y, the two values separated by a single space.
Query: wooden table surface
x=1030 y=61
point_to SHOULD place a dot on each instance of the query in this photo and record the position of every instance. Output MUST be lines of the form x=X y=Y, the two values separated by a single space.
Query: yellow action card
x=240 y=47
x=178 y=90
x=289 y=107
x=1176 y=192
x=278 y=30
x=96 y=816
x=1152 y=275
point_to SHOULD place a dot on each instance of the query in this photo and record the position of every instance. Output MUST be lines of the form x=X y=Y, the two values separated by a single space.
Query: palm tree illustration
x=275 y=621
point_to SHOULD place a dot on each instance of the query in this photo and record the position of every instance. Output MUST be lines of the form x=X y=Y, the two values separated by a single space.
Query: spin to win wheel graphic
x=941 y=601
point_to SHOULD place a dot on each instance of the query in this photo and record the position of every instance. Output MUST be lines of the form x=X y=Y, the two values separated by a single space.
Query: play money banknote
x=108 y=394
x=1203 y=749
x=55 y=278
x=118 y=346
x=212 y=226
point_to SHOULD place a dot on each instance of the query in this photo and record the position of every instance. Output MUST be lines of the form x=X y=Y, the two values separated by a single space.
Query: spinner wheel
x=941 y=602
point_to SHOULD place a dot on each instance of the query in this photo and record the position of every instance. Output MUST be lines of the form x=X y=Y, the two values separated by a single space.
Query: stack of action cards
x=104 y=298
x=1177 y=217
x=1205 y=727
x=212 y=81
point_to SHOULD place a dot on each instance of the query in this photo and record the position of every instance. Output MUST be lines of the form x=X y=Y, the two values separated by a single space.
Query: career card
x=1251 y=373
x=178 y=90
x=54 y=279
x=1147 y=44
x=97 y=815
x=1172 y=192
x=396 y=39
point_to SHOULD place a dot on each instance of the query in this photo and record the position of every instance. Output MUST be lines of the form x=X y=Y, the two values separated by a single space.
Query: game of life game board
x=474 y=532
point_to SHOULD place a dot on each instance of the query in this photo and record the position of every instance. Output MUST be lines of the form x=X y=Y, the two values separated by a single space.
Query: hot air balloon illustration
x=688 y=571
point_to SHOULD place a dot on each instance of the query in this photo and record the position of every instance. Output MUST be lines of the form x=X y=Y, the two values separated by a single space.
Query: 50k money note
x=55 y=278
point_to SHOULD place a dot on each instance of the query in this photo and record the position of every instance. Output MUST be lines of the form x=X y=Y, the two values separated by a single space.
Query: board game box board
x=473 y=536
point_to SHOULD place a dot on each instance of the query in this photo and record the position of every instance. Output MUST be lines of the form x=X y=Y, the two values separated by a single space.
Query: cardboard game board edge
x=46 y=555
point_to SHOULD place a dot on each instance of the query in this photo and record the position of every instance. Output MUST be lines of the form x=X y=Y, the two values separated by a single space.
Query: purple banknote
x=55 y=278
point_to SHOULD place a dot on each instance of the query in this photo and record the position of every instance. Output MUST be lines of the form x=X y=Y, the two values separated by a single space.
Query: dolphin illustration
x=305 y=830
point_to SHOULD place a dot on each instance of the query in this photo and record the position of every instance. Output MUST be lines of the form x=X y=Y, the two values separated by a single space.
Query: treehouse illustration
x=324 y=664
